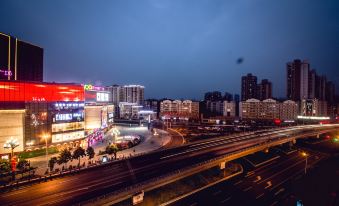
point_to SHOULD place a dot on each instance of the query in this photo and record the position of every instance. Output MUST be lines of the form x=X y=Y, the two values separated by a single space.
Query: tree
x=90 y=153
x=112 y=150
x=52 y=162
x=4 y=166
x=78 y=153
x=109 y=150
x=115 y=150
x=64 y=156
x=21 y=166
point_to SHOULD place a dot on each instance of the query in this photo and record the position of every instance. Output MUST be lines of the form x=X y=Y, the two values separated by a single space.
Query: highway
x=261 y=186
x=86 y=185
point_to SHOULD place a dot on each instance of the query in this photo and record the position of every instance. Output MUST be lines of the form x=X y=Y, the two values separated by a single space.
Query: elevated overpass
x=116 y=181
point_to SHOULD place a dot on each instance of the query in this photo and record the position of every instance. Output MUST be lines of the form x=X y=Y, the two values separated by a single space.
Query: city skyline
x=154 y=47
x=169 y=102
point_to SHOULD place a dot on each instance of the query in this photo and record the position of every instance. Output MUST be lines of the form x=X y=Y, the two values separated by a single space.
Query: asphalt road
x=261 y=186
x=176 y=139
x=114 y=176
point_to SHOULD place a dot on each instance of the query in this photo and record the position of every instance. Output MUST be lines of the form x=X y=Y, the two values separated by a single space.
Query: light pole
x=45 y=136
x=11 y=144
x=304 y=154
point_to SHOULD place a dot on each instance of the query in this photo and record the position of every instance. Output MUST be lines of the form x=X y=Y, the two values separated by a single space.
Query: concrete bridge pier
x=222 y=165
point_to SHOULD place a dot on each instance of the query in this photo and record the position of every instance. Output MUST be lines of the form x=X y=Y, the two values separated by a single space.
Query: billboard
x=69 y=116
x=39 y=92
x=96 y=96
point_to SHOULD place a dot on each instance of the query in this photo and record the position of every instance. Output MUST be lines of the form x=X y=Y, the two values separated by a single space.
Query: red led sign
x=39 y=92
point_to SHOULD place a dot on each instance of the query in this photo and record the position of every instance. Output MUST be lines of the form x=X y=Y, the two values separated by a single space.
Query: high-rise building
x=20 y=60
x=216 y=107
x=228 y=97
x=313 y=107
x=321 y=87
x=293 y=79
x=117 y=94
x=297 y=80
x=127 y=93
x=264 y=90
x=248 y=87
x=236 y=98
x=213 y=96
x=312 y=76
x=134 y=94
x=305 y=69
x=330 y=92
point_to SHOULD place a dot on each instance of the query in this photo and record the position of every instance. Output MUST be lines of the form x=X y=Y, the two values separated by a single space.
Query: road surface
x=121 y=174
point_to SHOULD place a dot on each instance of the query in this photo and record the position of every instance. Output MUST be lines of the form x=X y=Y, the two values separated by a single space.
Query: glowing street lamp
x=304 y=154
x=11 y=144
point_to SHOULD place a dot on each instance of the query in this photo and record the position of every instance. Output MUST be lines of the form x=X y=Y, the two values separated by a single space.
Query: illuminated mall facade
x=99 y=109
x=34 y=113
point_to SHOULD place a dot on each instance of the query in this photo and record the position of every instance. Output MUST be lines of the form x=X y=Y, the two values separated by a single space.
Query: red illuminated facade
x=11 y=91
x=51 y=110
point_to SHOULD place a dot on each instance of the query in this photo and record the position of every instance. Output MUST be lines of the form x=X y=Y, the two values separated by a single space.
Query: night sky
x=177 y=48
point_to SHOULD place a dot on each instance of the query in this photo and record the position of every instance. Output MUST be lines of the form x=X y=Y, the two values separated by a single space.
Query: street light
x=304 y=154
x=45 y=136
x=11 y=144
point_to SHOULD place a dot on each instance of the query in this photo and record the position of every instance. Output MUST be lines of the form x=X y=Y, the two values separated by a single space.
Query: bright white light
x=11 y=143
x=313 y=117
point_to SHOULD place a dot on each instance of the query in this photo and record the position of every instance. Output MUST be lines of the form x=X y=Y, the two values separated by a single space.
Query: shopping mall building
x=35 y=112
x=99 y=109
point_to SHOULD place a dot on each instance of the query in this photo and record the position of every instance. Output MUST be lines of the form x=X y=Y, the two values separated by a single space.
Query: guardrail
x=125 y=193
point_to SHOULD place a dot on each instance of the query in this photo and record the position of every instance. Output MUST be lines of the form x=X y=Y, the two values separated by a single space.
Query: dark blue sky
x=177 y=48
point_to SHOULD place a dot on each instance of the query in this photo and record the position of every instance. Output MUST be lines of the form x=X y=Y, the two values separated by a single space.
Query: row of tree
x=65 y=156
x=112 y=149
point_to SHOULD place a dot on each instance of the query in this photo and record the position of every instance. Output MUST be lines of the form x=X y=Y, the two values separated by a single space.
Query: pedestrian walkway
x=149 y=142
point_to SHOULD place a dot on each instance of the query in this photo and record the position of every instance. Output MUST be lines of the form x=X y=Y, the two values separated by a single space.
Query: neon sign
x=61 y=117
x=38 y=99
x=92 y=87
x=66 y=105
x=68 y=116
x=6 y=72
